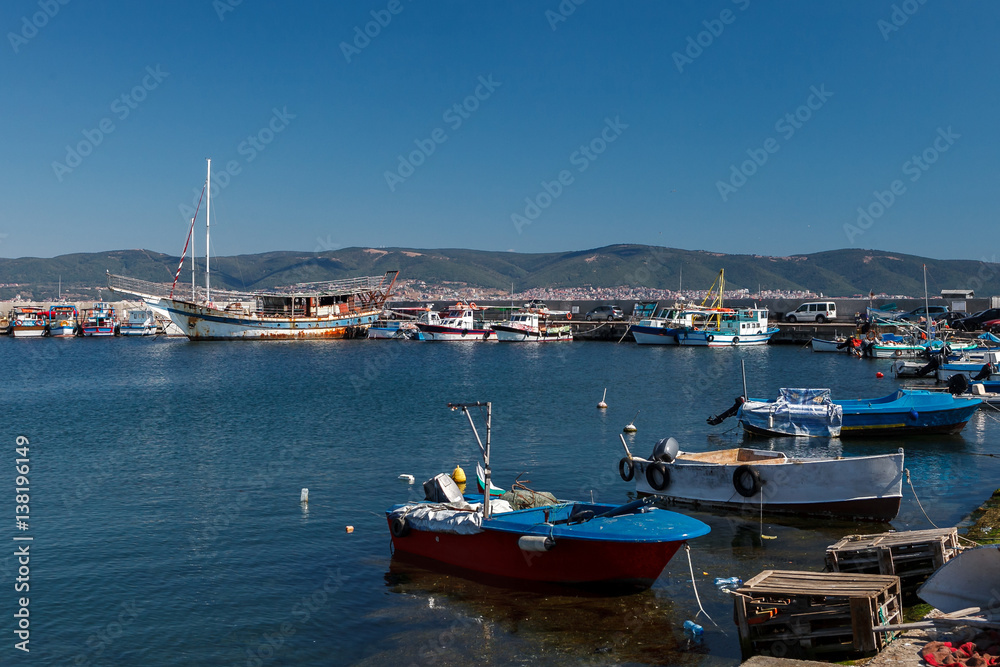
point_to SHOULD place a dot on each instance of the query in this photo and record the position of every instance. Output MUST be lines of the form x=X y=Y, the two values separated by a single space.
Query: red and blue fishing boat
x=574 y=543
x=101 y=320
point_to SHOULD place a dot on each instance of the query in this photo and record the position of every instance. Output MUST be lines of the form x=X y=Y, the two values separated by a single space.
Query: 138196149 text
x=22 y=550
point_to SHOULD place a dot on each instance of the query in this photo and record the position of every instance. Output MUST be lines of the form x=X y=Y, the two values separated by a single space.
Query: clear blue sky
x=672 y=128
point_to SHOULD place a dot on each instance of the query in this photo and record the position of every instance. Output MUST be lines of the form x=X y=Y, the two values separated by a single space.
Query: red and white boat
x=27 y=322
x=457 y=324
x=566 y=543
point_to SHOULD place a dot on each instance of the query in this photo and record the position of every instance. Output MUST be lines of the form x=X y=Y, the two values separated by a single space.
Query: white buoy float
x=304 y=497
x=602 y=405
x=408 y=478
x=630 y=427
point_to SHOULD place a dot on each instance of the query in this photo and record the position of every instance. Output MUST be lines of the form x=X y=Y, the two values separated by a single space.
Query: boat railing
x=365 y=285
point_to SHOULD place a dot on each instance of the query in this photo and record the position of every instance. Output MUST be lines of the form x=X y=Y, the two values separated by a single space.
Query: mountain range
x=844 y=272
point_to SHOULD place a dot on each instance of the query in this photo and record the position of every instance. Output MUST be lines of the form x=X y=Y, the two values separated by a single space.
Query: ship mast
x=208 y=224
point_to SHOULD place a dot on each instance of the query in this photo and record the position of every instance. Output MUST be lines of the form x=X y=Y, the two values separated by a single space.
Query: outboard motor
x=958 y=384
x=715 y=420
x=984 y=372
x=931 y=366
x=665 y=450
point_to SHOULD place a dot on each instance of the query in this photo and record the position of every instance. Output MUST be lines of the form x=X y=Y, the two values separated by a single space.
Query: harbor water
x=165 y=479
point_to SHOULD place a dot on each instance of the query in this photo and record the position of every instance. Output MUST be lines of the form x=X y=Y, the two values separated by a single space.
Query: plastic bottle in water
x=731 y=582
x=693 y=628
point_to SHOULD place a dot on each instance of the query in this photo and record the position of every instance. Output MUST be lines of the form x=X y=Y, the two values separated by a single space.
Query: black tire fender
x=658 y=475
x=400 y=527
x=746 y=480
x=736 y=340
x=709 y=338
x=626 y=468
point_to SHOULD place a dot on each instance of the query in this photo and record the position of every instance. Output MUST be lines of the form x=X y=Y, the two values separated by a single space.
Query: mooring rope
x=908 y=481
x=701 y=609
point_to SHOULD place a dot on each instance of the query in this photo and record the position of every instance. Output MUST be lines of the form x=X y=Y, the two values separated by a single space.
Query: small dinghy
x=968 y=580
x=743 y=479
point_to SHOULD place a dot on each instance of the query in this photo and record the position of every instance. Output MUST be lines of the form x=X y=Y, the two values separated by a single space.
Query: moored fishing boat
x=862 y=487
x=718 y=326
x=138 y=322
x=529 y=326
x=63 y=320
x=668 y=323
x=99 y=321
x=839 y=345
x=903 y=412
x=458 y=324
x=27 y=322
x=572 y=543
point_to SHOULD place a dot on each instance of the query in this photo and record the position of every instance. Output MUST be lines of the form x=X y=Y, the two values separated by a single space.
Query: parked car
x=975 y=322
x=993 y=326
x=917 y=313
x=814 y=311
x=950 y=317
x=606 y=313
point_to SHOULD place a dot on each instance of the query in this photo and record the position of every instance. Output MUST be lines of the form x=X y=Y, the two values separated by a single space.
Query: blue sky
x=726 y=125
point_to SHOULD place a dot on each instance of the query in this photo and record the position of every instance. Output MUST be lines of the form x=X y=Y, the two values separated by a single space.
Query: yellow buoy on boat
x=458 y=475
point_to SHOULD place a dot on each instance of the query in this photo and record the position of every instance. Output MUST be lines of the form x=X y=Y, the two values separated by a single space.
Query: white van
x=814 y=311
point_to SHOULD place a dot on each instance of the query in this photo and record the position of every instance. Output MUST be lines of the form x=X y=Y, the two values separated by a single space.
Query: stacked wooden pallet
x=816 y=614
x=911 y=555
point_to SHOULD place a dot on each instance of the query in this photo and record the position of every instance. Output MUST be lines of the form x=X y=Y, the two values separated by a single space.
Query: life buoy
x=746 y=479
x=569 y=316
x=626 y=469
x=486 y=335
x=658 y=475
x=709 y=338
x=472 y=305
x=736 y=340
x=400 y=527
x=17 y=323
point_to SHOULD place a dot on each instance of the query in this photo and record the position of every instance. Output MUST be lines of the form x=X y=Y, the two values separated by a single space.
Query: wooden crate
x=911 y=555
x=816 y=614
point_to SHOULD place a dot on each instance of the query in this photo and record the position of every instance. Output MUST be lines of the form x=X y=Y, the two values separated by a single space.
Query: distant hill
x=833 y=273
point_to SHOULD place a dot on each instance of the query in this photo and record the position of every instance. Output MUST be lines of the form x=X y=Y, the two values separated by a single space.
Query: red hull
x=569 y=562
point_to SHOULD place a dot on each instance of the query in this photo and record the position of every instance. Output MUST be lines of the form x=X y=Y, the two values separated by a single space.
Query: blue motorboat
x=903 y=412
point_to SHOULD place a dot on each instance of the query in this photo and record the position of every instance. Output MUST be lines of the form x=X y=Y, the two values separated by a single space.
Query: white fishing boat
x=838 y=345
x=718 y=326
x=63 y=320
x=967 y=580
x=529 y=326
x=458 y=324
x=668 y=323
x=988 y=369
x=138 y=322
x=329 y=309
x=27 y=322
x=753 y=480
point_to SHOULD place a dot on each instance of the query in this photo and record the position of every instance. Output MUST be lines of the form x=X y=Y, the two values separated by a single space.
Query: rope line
x=701 y=609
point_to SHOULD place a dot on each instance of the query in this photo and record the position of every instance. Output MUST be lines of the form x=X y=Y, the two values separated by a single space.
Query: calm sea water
x=165 y=480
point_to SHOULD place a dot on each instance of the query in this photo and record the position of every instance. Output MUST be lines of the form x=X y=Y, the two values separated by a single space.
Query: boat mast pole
x=208 y=225
x=743 y=367
x=487 y=473
x=927 y=310
x=192 y=261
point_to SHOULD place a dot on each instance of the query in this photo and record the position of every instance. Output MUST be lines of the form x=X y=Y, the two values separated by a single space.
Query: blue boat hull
x=906 y=412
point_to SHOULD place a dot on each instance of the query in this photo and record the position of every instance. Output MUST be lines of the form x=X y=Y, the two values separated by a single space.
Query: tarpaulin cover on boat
x=805 y=412
x=458 y=518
